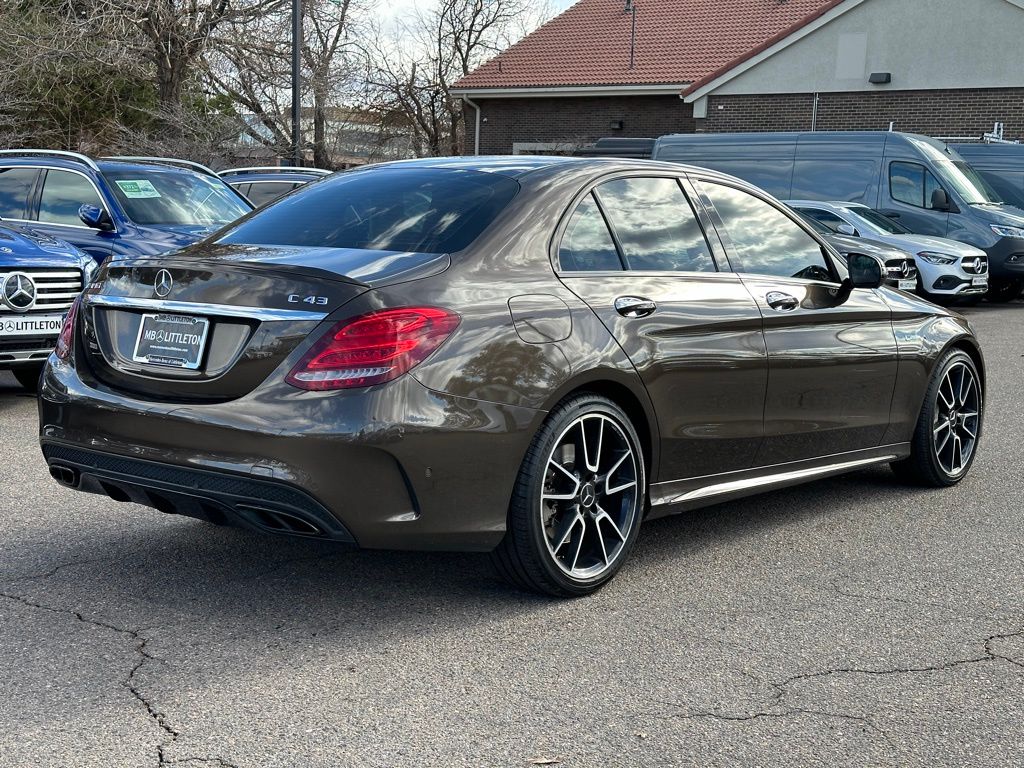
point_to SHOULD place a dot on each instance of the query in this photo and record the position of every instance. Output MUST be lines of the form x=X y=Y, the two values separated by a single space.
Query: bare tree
x=415 y=64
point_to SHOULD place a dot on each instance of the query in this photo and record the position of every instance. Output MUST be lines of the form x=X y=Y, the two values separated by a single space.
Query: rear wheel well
x=627 y=401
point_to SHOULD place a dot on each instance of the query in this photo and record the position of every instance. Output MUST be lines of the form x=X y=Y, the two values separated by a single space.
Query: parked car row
x=63 y=213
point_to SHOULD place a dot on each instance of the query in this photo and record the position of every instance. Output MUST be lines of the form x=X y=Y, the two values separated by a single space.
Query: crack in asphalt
x=51 y=571
x=144 y=656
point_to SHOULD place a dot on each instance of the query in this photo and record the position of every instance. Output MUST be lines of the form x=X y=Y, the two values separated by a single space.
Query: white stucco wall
x=925 y=44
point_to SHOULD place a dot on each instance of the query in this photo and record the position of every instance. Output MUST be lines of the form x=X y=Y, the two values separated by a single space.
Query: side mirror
x=847 y=229
x=940 y=200
x=95 y=217
x=865 y=271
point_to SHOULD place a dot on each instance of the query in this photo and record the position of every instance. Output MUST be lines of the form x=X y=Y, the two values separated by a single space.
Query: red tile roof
x=677 y=42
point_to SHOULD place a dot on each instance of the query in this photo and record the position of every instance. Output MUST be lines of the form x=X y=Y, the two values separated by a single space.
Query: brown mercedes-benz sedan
x=528 y=356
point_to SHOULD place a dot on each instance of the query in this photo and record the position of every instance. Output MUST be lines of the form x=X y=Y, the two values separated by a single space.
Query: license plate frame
x=908 y=285
x=9 y=325
x=169 y=340
x=977 y=282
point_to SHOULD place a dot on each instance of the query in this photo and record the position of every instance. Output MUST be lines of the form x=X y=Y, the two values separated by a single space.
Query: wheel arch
x=630 y=395
x=969 y=345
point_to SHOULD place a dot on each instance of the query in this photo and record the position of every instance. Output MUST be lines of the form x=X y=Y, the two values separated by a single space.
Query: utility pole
x=296 y=82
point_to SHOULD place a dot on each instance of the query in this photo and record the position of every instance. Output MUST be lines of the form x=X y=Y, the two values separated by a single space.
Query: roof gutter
x=564 y=91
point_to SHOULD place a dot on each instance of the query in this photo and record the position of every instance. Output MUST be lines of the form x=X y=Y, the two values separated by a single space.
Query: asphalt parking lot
x=849 y=622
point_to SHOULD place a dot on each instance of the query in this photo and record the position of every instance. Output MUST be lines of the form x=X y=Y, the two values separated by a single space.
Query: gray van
x=1001 y=165
x=919 y=181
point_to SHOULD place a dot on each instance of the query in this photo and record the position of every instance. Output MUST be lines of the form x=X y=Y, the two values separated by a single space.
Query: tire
x=574 y=544
x=28 y=375
x=1002 y=291
x=934 y=459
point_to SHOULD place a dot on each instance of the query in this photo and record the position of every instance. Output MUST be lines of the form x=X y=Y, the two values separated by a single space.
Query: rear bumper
x=393 y=467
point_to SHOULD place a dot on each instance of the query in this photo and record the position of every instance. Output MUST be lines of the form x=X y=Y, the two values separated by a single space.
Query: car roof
x=282 y=176
x=518 y=166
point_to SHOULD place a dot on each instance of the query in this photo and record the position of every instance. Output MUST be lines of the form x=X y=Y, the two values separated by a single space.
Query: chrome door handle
x=634 y=306
x=782 y=302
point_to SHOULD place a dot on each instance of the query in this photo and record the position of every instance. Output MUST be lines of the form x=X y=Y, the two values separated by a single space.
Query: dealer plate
x=30 y=325
x=908 y=285
x=976 y=281
x=174 y=341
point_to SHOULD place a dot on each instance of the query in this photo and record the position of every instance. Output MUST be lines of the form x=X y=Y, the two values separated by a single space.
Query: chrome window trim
x=200 y=308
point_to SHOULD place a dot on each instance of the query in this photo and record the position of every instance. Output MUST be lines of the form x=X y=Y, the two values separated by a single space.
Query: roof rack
x=77 y=156
x=275 y=168
x=166 y=161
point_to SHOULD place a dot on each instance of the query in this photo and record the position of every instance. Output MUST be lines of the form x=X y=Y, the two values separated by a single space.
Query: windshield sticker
x=140 y=189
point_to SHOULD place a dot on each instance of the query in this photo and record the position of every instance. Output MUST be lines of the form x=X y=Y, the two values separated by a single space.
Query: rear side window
x=424 y=210
x=263 y=192
x=765 y=240
x=655 y=225
x=912 y=183
x=587 y=245
x=15 y=187
x=63 y=194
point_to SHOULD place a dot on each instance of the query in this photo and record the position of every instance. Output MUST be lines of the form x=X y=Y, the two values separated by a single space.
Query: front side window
x=913 y=184
x=15 y=187
x=655 y=225
x=63 y=194
x=153 y=197
x=765 y=240
x=587 y=245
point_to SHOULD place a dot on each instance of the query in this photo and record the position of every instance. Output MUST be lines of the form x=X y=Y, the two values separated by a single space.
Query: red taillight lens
x=373 y=348
x=66 y=340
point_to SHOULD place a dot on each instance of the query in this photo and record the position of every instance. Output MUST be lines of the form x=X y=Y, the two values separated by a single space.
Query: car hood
x=847 y=244
x=24 y=247
x=917 y=243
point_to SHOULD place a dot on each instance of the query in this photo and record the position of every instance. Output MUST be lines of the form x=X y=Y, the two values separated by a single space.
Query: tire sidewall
x=561 y=418
x=949 y=360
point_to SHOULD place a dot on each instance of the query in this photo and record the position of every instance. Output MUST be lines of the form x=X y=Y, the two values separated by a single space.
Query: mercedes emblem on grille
x=906 y=269
x=19 y=292
x=163 y=283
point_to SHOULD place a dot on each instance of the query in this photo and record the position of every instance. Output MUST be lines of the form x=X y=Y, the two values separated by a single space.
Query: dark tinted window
x=63 y=194
x=263 y=192
x=765 y=240
x=655 y=225
x=15 y=186
x=912 y=183
x=587 y=245
x=826 y=218
x=428 y=210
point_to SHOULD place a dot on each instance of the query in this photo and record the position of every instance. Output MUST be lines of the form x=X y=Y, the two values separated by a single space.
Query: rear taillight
x=373 y=348
x=66 y=340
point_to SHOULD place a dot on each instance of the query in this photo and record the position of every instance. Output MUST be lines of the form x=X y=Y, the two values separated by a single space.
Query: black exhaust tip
x=66 y=476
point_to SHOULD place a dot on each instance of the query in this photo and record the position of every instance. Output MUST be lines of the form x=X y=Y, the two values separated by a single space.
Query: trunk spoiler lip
x=373 y=270
x=200 y=308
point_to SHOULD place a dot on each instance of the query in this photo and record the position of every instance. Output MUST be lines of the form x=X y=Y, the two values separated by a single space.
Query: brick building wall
x=575 y=121
x=934 y=113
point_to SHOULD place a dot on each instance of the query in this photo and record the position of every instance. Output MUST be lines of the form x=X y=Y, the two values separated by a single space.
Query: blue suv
x=263 y=185
x=40 y=277
x=115 y=206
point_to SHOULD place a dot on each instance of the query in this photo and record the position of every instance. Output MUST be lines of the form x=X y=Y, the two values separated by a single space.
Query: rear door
x=832 y=366
x=637 y=253
x=17 y=185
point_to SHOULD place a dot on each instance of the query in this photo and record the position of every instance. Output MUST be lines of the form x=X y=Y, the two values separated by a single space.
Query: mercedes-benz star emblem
x=19 y=292
x=906 y=269
x=163 y=283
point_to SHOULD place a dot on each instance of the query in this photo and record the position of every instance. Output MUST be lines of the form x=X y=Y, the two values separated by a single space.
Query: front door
x=61 y=194
x=832 y=366
x=909 y=199
x=637 y=253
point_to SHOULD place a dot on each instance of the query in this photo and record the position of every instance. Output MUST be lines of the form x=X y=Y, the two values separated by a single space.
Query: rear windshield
x=424 y=210
x=175 y=198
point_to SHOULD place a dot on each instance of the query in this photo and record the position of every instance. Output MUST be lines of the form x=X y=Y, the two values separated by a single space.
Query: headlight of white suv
x=1008 y=231
x=937 y=258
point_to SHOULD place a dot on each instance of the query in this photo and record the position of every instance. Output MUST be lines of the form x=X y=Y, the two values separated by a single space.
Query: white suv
x=947 y=269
